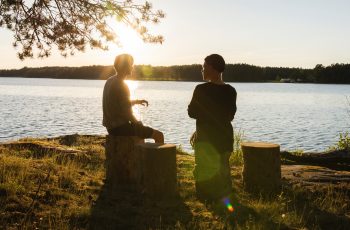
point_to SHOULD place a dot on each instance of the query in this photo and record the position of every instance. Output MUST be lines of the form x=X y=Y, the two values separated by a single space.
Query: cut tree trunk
x=122 y=162
x=262 y=167
x=158 y=163
x=147 y=167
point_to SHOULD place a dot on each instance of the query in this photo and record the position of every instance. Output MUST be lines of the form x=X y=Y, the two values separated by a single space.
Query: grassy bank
x=59 y=184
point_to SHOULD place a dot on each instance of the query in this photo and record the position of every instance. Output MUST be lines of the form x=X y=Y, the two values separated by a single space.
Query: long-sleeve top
x=214 y=107
x=117 y=108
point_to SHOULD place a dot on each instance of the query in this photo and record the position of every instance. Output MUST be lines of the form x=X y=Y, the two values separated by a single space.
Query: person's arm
x=233 y=107
x=193 y=107
x=125 y=104
x=139 y=102
x=133 y=119
x=126 y=110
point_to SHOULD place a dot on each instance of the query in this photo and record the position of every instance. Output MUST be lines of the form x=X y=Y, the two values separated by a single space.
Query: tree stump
x=262 y=167
x=158 y=163
x=122 y=162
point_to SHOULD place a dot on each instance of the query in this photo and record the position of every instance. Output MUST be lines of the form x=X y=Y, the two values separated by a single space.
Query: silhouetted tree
x=71 y=25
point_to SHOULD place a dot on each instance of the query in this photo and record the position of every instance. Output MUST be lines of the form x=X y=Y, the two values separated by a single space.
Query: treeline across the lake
x=336 y=73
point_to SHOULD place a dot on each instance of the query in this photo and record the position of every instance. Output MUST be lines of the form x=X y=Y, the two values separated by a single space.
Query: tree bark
x=158 y=163
x=122 y=162
x=262 y=167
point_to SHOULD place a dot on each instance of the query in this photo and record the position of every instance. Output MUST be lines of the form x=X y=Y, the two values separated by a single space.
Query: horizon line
x=238 y=63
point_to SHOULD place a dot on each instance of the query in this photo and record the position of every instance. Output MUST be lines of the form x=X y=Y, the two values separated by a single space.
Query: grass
x=52 y=191
x=343 y=142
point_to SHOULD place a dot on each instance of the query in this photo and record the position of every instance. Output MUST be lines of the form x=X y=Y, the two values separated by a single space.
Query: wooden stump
x=122 y=161
x=262 y=167
x=158 y=163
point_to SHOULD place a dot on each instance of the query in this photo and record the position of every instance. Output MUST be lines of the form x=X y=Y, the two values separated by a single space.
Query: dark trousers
x=212 y=172
x=132 y=129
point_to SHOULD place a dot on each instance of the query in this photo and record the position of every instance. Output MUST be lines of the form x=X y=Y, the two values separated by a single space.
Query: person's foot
x=158 y=137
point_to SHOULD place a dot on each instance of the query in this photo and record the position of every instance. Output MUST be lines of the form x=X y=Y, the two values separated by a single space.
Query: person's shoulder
x=203 y=85
x=113 y=83
x=111 y=79
x=231 y=88
x=198 y=86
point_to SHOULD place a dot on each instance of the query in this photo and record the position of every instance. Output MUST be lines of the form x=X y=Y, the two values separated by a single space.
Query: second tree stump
x=158 y=167
x=262 y=167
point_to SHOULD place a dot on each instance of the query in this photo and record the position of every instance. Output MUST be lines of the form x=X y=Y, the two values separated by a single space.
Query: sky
x=281 y=33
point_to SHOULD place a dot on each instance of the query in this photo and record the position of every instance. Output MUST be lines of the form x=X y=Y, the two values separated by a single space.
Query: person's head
x=213 y=67
x=123 y=64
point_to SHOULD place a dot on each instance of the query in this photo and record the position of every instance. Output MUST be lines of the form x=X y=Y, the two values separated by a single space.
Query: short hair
x=122 y=61
x=216 y=61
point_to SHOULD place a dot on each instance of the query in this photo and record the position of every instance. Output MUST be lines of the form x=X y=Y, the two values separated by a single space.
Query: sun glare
x=129 y=40
x=137 y=110
x=132 y=87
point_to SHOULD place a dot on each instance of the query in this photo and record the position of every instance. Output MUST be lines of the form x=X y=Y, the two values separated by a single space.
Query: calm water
x=296 y=116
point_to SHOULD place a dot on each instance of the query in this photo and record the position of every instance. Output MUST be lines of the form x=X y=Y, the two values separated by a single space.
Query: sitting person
x=118 y=117
x=213 y=105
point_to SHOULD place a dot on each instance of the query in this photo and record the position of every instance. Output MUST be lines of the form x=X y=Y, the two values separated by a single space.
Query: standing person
x=213 y=105
x=117 y=106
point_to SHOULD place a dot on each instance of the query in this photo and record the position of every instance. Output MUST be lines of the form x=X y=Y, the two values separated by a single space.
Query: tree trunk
x=262 y=167
x=325 y=158
x=122 y=162
x=158 y=163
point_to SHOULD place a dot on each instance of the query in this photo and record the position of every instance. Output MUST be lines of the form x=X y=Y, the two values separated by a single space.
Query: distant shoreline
x=170 y=80
x=334 y=74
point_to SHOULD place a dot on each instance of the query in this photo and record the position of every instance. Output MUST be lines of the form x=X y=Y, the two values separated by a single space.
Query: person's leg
x=207 y=168
x=147 y=132
x=123 y=130
x=158 y=136
x=225 y=174
x=132 y=129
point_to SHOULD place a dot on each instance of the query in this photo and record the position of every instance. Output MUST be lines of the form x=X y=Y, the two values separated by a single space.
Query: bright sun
x=129 y=40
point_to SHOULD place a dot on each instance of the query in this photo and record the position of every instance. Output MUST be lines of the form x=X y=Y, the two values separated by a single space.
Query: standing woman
x=213 y=105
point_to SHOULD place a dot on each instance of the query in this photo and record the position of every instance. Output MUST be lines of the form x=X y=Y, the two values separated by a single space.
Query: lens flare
x=228 y=205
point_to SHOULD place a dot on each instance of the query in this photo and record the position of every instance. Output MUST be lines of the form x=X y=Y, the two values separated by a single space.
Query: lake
x=297 y=116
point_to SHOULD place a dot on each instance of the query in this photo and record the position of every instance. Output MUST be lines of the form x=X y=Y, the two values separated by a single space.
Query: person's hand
x=142 y=102
x=158 y=136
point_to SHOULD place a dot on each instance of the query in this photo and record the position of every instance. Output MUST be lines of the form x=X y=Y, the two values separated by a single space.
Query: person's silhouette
x=117 y=106
x=213 y=105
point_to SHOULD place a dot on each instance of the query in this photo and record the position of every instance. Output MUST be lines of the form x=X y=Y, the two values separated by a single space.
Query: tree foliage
x=72 y=25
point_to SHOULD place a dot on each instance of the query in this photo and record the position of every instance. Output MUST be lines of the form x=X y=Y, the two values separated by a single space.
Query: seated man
x=117 y=106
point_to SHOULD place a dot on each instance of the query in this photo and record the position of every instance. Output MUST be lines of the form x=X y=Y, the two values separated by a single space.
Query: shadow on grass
x=243 y=216
x=127 y=209
x=314 y=215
